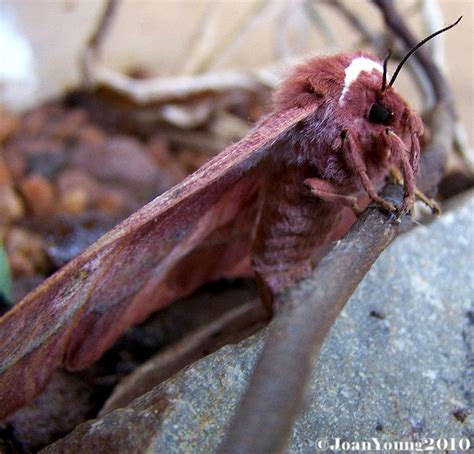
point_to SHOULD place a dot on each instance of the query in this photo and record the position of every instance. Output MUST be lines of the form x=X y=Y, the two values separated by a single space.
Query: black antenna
x=385 y=63
x=414 y=49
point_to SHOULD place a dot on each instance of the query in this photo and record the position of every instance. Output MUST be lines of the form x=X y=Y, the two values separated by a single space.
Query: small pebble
x=39 y=194
x=26 y=253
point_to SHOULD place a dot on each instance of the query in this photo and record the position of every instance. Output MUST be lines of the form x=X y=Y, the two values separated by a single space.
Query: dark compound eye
x=379 y=113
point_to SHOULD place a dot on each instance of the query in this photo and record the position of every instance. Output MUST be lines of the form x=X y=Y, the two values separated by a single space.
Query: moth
x=268 y=201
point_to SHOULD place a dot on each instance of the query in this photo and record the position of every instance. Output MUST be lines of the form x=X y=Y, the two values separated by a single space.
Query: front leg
x=329 y=192
x=355 y=159
x=429 y=202
x=408 y=172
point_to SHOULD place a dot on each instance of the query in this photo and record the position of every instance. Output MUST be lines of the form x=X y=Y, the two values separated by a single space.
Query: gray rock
x=397 y=365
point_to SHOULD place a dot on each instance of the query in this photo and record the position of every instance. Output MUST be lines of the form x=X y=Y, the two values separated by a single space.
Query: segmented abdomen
x=292 y=225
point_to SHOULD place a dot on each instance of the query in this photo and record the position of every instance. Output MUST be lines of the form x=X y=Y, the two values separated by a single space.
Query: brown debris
x=9 y=123
x=39 y=194
x=11 y=205
x=26 y=252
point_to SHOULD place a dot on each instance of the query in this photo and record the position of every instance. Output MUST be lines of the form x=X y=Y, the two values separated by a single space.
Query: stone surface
x=396 y=366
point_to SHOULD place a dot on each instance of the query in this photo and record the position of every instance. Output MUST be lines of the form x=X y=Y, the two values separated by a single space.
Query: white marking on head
x=353 y=71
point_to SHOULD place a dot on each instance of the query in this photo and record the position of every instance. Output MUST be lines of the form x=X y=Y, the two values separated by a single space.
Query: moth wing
x=75 y=315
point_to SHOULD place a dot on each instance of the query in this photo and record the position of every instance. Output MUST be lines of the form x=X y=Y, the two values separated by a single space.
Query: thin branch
x=290 y=33
x=164 y=89
x=281 y=46
x=423 y=83
x=95 y=41
x=434 y=20
x=434 y=157
x=186 y=116
x=321 y=24
x=204 y=43
x=461 y=145
x=355 y=21
x=227 y=45
x=97 y=37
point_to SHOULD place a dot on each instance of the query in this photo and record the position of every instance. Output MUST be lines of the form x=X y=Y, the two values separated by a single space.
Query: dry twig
x=434 y=20
x=204 y=42
x=462 y=146
x=321 y=24
x=92 y=50
x=356 y=22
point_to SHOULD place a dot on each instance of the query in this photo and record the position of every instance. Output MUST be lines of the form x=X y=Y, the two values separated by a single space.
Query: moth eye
x=379 y=113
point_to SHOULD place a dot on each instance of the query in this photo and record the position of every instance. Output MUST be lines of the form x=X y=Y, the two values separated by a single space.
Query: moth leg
x=416 y=130
x=428 y=201
x=356 y=160
x=328 y=192
x=408 y=174
x=408 y=185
